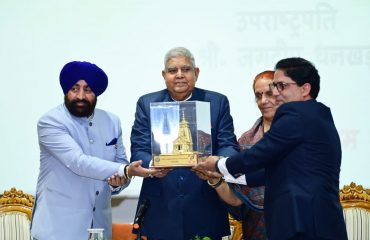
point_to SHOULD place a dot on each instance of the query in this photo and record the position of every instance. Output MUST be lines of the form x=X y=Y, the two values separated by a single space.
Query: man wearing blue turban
x=82 y=160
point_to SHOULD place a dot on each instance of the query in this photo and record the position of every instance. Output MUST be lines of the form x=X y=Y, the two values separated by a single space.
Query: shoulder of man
x=57 y=112
x=296 y=108
x=100 y=113
x=208 y=94
x=297 y=104
x=58 y=117
x=154 y=96
x=312 y=103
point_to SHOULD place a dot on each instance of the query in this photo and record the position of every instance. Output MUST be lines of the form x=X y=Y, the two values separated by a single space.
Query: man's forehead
x=178 y=60
x=178 y=65
x=279 y=75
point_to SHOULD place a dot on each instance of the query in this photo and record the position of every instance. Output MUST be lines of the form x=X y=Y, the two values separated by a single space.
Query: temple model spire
x=184 y=142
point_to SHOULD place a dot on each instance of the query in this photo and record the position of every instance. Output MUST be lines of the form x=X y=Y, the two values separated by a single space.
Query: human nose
x=275 y=91
x=81 y=94
x=264 y=99
x=179 y=73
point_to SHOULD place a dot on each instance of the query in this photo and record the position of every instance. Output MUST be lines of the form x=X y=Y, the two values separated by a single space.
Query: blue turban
x=94 y=76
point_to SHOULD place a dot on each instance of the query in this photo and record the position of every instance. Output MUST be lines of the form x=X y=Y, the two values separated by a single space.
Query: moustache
x=80 y=101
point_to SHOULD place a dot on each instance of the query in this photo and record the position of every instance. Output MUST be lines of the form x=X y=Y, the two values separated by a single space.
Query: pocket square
x=112 y=142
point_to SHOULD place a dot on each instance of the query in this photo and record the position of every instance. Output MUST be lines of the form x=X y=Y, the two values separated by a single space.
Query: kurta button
x=94 y=209
x=97 y=192
x=91 y=141
x=181 y=178
x=90 y=124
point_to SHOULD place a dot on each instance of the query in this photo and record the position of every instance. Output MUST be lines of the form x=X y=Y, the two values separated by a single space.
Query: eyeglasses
x=280 y=86
x=259 y=95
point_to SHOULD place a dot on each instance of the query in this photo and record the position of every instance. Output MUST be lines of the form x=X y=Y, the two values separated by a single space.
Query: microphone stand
x=139 y=218
x=139 y=234
x=137 y=226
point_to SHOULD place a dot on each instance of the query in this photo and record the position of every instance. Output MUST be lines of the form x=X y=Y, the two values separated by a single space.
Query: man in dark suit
x=301 y=155
x=182 y=205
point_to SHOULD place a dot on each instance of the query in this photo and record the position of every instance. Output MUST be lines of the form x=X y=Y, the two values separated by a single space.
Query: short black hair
x=301 y=71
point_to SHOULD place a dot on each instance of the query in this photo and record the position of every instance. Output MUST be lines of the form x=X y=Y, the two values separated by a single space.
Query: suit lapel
x=198 y=95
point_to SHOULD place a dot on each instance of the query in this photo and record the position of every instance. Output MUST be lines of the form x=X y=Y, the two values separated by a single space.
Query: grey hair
x=179 y=52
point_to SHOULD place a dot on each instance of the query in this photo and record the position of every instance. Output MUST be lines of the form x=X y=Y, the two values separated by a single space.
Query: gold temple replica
x=182 y=154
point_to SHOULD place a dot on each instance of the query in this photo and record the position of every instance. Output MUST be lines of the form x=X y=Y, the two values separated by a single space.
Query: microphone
x=139 y=218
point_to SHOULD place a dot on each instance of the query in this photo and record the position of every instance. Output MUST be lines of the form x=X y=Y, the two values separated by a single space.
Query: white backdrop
x=232 y=41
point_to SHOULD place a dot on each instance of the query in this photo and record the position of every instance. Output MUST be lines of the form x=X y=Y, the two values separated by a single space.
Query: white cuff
x=121 y=170
x=221 y=164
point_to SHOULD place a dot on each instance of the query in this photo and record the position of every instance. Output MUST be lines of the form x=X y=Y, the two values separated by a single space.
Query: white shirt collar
x=191 y=94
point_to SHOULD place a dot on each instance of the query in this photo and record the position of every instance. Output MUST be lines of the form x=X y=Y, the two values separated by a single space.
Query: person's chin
x=279 y=102
x=266 y=111
x=79 y=112
x=181 y=88
x=80 y=109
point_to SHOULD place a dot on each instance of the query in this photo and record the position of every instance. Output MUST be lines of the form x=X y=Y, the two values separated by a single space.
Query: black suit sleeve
x=141 y=135
x=226 y=139
x=286 y=132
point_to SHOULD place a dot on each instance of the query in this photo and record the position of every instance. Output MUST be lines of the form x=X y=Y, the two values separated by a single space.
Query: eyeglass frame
x=280 y=86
